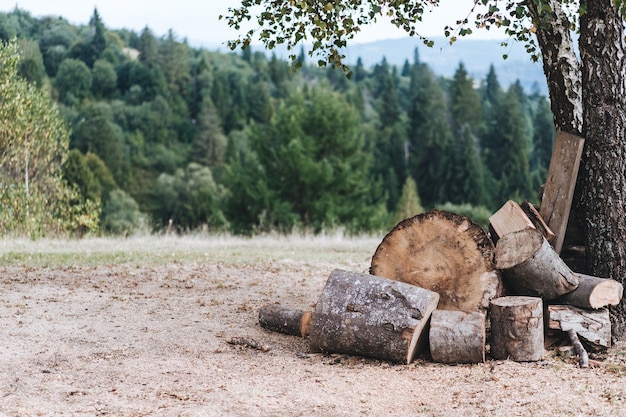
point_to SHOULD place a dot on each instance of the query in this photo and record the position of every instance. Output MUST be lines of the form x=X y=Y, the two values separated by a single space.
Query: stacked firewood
x=440 y=277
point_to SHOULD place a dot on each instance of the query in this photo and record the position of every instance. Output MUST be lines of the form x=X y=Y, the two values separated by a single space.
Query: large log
x=443 y=252
x=593 y=326
x=593 y=292
x=285 y=320
x=517 y=328
x=531 y=266
x=365 y=315
x=457 y=337
x=560 y=184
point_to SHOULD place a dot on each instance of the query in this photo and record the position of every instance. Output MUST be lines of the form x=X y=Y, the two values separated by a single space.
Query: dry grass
x=155 y=249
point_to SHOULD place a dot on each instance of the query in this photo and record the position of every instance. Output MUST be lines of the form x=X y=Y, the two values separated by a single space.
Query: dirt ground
x=134 y=340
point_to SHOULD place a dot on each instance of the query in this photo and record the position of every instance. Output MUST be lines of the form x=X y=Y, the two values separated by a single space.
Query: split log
x=508 y=219
x=517 y=328
x=538 y=222
x=593 y=326
x=285 y=320
x=443 y=252
x=365 y=315
x=558 y=193
x=593 y=292
x=531 y=266
x=457 y=336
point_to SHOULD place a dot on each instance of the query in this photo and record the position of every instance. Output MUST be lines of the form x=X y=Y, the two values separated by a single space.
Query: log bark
x=594 y=293
x=593 y=326
x=517 y=328
x=285 y=320
x=531 y=266
x=457 y=336
x=365 y=315
x=443 y=252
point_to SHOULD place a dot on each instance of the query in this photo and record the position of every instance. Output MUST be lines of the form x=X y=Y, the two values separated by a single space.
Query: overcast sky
x=197 y=20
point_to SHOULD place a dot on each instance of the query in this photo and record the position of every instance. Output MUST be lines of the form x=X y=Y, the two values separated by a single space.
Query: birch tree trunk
x=603 y=54
x=560 y=66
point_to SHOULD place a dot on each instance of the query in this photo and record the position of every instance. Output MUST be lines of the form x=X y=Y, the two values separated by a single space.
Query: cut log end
x=443 y=252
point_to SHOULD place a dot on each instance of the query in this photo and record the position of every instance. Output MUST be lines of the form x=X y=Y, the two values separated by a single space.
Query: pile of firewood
x=438 y=277
x=440 y=282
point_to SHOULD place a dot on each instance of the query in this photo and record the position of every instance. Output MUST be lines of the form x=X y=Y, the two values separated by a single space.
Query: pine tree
x=430 y=138
x=409 y=203
x=508 y=157
x=314 y=160
x=467 y=118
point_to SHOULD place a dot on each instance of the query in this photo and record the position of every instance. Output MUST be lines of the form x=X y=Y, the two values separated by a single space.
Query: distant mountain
x=444 y=59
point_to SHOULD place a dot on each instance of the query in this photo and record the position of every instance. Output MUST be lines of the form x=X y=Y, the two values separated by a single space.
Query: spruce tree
x=430 y=138
x=314 y=160
x=409 y=203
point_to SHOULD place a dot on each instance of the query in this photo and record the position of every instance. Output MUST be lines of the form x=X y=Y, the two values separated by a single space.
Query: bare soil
x=150 y=339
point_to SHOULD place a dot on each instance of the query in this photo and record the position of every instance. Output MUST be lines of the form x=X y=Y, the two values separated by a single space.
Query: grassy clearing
x=153 y=250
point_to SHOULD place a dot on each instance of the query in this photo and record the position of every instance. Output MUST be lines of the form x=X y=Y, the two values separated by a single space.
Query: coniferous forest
x=170 y=137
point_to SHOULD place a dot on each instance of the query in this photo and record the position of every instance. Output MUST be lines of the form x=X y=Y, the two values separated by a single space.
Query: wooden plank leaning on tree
x=593 y=326
x=443 y=252
x=560 y=183
x=530 y=265
x=365 y=315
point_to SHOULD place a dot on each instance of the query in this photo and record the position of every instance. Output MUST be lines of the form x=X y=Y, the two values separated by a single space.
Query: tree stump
x=531 y=266
x=457 y=336
x=443 y=252
x=364 y=315
x=517 y=328
x=285 y=320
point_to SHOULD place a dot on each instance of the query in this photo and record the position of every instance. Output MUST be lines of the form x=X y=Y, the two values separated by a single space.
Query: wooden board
x=560 y=184
x=443 y=252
